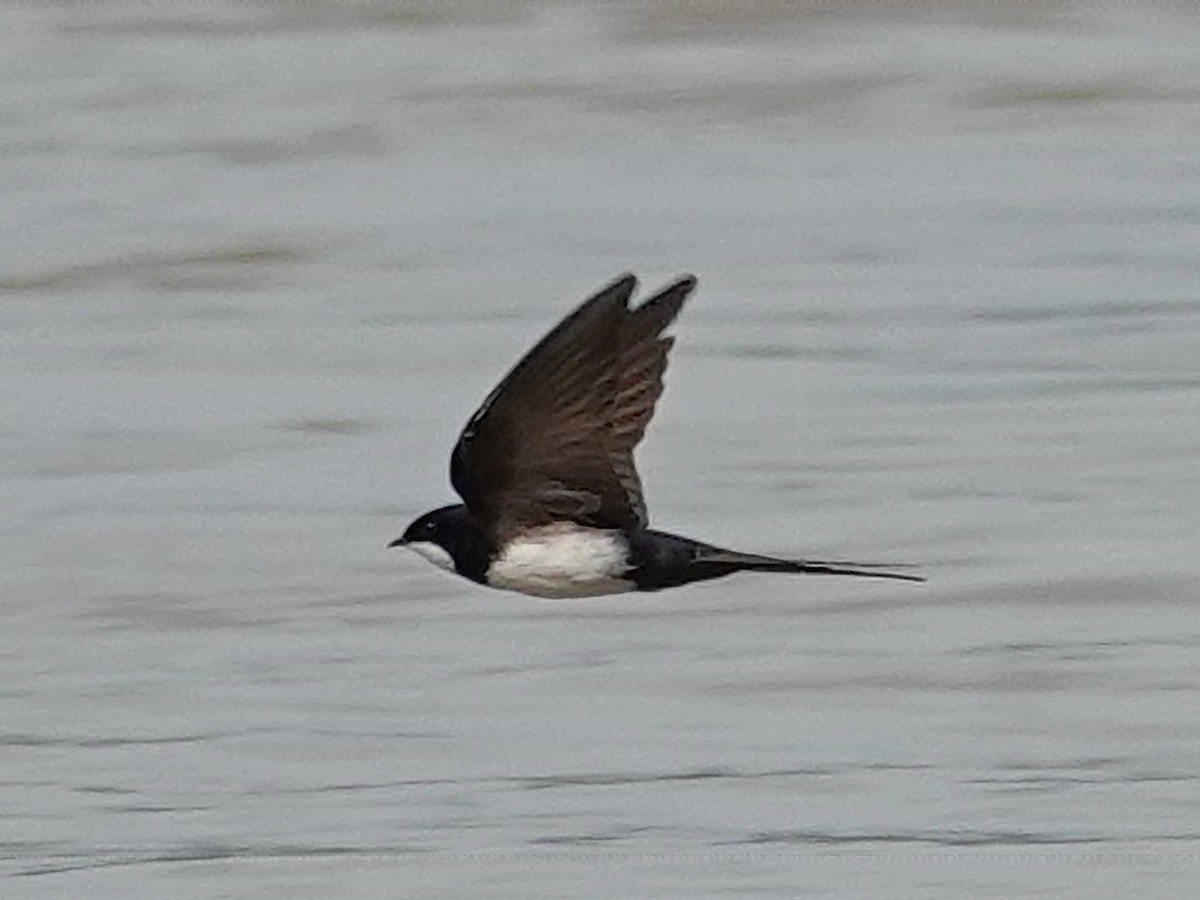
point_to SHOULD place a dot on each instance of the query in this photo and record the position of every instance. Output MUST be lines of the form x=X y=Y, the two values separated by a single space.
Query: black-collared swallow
x=553 y=504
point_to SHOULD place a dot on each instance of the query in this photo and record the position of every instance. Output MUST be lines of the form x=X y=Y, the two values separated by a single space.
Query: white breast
x=563 y=561
x=432 y=552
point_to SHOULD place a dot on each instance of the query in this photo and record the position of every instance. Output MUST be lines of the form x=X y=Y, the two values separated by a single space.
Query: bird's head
x=438 y=535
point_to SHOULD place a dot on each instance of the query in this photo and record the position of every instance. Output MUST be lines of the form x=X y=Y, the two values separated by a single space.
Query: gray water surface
x=259 y=262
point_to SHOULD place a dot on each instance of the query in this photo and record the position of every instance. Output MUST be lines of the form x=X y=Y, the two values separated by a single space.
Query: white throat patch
x=432 y=552
x=565 y=560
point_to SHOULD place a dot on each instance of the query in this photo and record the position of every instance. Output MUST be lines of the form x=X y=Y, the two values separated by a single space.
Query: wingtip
x=685 y=281
x=680 y=287
x=626 y=282
x=614 y=296
x=660 y=310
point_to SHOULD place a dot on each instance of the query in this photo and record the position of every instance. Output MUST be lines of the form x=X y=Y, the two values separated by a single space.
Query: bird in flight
x=552 y=503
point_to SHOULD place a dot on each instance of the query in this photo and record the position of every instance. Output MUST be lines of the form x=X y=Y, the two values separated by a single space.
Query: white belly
x=563 y=561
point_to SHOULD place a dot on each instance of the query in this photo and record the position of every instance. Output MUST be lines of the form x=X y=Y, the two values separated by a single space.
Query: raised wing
x=555 y=439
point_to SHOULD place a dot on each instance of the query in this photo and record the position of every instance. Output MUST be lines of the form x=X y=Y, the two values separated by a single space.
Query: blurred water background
x=260 y=260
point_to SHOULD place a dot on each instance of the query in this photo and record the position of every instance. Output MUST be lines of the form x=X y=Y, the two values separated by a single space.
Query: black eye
x=429 y=526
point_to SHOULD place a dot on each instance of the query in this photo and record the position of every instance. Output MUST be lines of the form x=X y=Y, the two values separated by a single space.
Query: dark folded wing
x=555 y=439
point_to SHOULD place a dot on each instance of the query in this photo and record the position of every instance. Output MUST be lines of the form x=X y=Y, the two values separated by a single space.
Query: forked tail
x=752 y=561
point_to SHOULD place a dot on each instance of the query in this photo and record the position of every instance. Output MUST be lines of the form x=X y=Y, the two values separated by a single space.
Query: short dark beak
x=398 y=542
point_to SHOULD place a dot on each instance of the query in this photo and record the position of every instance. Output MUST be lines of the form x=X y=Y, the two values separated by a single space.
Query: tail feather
x=811 y=566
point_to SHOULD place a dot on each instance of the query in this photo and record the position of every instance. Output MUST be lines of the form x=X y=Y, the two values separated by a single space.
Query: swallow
x=552 y=502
